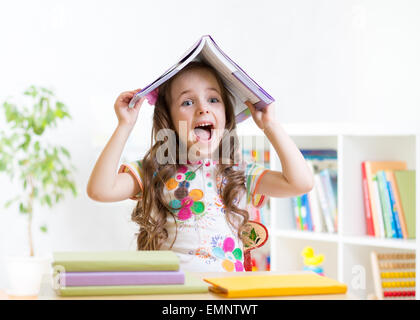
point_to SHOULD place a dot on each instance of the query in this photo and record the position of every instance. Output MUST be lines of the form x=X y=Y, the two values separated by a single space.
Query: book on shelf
x=406 y=196
x=236 y=80
x=317 y=210
x=389 y=219
x=383 y=198
x=395 y=193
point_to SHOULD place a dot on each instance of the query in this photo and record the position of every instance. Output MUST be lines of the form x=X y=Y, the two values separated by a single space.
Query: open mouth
x=204 y=131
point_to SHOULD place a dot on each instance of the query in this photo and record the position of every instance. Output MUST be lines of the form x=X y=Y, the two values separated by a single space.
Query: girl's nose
x=202 y=109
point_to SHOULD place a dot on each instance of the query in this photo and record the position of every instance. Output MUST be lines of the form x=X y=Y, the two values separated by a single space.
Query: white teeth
x=204 y=125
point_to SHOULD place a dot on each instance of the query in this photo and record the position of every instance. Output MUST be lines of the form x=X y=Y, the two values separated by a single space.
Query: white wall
x=323 y=61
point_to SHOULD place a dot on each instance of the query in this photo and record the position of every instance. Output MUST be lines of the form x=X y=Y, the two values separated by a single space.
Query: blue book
x=320 y=154
x=394 y=210
x=305 y=203
x=389 y=223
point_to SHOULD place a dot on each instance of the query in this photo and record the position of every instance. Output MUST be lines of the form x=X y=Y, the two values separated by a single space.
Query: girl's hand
x=127 y=116
x=262 y=117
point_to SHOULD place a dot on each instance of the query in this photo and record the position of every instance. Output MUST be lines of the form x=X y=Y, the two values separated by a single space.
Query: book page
x=214 y=57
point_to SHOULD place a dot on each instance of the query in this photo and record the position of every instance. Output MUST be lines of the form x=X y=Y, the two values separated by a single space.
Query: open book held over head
x=240 y=85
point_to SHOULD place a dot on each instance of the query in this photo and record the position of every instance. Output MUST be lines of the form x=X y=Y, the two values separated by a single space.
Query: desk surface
x=47 y=292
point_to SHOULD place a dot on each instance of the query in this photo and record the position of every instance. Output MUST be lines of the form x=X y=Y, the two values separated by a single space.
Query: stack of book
x=389 y=199
x=121 y=273
x=317 y=210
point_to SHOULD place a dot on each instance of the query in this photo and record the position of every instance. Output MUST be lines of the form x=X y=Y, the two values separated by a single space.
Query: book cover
x=303 y=213
x=326 y=179
x=275 y=285
x=393 y=206
x=315 y=211
x=323 y=203
x=377 y=201
x=236 y=80
x=371 y=168
x=406 y=181
x=118 y=278
x=191 y=285
x=366 y=203
x=144 y=260
x=320 y=154
x=314 y=206
x=391 y=178
x=296 y=212
x=307 y=211
x=389 y=223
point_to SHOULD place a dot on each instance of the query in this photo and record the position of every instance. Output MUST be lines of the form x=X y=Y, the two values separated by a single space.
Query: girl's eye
x=187 y=103
x=214 y=100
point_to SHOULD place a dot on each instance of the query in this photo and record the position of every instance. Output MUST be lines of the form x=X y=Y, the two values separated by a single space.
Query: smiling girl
x=192 y=196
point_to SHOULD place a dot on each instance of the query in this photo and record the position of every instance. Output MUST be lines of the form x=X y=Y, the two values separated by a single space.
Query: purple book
x=81 y=279
x=236 y=80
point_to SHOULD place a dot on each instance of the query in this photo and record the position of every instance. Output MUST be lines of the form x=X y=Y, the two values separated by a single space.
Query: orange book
x=371 y=168
x=391 y=177
x=275 y=285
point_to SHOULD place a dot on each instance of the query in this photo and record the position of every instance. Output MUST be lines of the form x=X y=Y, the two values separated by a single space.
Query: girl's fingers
x=250 y=106
x=139 y=103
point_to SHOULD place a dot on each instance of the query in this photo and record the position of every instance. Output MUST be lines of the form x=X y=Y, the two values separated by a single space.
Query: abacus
x=394 y=275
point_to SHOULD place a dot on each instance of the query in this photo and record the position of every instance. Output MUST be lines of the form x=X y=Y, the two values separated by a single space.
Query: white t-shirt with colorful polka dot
x=205 y=241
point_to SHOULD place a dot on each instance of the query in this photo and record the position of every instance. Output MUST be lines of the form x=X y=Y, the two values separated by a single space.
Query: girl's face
x=197 y=111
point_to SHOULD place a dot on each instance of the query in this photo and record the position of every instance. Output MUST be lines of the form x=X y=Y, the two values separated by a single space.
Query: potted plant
x=42 y=170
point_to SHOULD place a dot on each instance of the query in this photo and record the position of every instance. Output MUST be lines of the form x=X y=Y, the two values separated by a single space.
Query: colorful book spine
x=391 y=177
x=74 y=279
x=330 y=197
x=323 y=203
x=296 y=211
x=376 y=199
x=308 y=212
x=390 y=229
x=319 y=153
x=393 y=210
x=302 y=213
x=366 y=202
x=315 y=211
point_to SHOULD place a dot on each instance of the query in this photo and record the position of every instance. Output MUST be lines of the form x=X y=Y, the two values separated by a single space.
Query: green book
x=406 y=182
x=192 y=285
x=144 y=260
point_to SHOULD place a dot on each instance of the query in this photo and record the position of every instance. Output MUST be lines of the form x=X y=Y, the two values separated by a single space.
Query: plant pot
x=24 y=274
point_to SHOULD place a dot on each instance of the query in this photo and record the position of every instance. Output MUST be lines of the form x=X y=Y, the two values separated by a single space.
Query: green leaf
x=66 y=152
x=253 y=235
x=9 y=203
x=31 y=91
x=44 y=228
x=23 y=209
x=48 y=200
x=36 y=146
x=50 y=174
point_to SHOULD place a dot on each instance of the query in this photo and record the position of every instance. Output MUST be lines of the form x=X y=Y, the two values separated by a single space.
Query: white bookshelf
x=347 y=252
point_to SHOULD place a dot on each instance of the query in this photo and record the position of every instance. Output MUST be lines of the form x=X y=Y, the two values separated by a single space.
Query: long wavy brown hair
x=152 y=210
